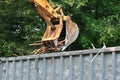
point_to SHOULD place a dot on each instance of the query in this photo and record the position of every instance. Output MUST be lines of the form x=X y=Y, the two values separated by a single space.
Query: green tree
x=20 y=24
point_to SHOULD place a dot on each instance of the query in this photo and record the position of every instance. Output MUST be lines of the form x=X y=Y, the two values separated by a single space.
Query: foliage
x=20 y=24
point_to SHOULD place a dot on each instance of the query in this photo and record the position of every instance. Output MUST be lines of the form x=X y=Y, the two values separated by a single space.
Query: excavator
x=60 y=32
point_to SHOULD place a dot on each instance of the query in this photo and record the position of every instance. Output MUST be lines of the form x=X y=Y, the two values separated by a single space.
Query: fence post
x=0 y=70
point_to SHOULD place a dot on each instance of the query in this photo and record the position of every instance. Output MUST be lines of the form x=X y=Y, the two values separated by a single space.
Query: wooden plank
x=35 y=44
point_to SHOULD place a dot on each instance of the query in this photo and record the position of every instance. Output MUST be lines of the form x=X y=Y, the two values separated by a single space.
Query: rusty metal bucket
x=62 y=36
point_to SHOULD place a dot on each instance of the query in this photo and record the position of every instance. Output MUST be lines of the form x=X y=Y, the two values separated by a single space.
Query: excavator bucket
x=59 y=38
x=62 y=36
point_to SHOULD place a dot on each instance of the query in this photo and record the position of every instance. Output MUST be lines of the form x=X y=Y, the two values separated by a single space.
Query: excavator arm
x=61 y=30
x=45 y=9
